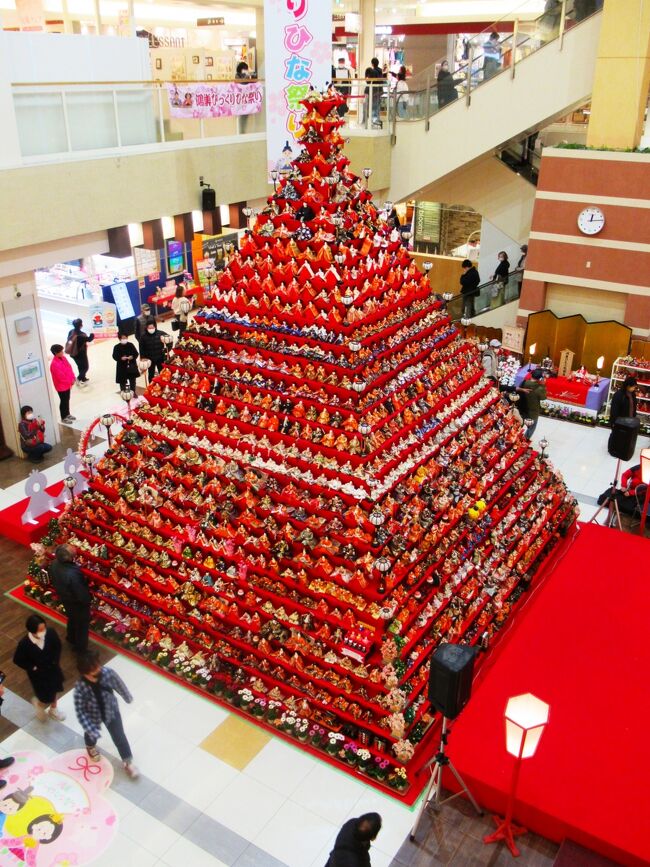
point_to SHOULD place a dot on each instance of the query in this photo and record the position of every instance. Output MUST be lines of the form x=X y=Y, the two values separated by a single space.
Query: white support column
x=131 y=10
x=67 y=23
x=366 y=34
x=259 y=40
x=98 y=18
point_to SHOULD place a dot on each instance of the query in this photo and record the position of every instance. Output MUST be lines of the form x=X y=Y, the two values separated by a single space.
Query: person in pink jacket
x=63 y=377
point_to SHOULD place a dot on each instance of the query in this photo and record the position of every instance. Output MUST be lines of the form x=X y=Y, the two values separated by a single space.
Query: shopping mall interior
x=324 y=432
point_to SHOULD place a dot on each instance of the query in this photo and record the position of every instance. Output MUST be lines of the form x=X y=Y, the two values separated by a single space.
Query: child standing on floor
x=95 y=703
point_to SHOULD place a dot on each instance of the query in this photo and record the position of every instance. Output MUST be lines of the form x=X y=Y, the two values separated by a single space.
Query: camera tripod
x=432 y=796
x=611 y=504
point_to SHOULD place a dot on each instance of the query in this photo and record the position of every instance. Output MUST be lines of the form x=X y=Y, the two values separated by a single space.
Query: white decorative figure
x=39 y=500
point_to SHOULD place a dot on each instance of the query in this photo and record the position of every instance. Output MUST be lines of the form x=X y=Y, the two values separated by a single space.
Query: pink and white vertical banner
x=298 y=55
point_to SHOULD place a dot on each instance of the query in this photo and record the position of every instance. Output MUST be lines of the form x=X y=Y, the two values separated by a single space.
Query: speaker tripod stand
x=433 y=794
x=611 y=504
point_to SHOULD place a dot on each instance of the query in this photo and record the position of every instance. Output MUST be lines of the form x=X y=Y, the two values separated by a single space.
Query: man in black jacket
x=469 y=282
x=352 y=846
x=72 y=589
x=152 y=347
x=141 y=321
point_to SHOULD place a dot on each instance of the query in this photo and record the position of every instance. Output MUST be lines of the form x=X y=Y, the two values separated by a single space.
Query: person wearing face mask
x=32 y=435
x=153 y=348
x=500 y=276
x=125 y=356
x=38 y=653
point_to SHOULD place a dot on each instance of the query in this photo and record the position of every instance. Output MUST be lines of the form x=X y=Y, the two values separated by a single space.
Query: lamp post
x=89 y=460
x=427 y=269
x=127 y=396
x=143 y=366
x=465 y=321
x=645 y=478
x=274 y=178
x=532 y=349
x=526 y=718
x=107 y=421
x=70 y=483
x=543 y=444
x=600 y=361
x=366 y=173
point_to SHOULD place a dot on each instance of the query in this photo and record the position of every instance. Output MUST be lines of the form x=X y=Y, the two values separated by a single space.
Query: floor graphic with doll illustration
x=53 y=812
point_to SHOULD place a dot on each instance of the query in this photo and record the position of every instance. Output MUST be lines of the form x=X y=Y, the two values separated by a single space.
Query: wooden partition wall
x=445 y=274
x=588 y=340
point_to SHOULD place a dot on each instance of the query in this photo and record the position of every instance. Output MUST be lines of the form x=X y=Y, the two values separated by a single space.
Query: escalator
x=543 y=75
x=489 y=297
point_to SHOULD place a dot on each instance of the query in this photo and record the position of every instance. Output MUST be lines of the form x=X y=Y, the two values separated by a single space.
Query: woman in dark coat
x=125 y=355
x=352 y=846
x=624 y=401
x=153 y=348
x=446 y=85
x=38 y=653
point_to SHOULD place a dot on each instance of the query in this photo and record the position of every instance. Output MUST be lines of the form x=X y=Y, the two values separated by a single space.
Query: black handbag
x=176 y=324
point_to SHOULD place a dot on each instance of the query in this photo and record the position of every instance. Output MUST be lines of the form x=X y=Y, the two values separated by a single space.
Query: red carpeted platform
x=582 y=645
x=11 y=526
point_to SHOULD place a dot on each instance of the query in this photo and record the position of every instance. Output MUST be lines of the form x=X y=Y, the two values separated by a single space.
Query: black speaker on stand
x=450 y=687
x=621 y=445
x=208 y=199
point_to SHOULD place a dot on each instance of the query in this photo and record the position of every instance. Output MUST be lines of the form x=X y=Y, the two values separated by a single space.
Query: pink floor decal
x=53 y=812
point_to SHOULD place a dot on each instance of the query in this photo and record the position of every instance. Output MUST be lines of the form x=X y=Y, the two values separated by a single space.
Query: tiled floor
x=202 y=801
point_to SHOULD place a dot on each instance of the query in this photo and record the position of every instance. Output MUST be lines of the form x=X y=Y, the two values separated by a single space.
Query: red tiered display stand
x=321 y=486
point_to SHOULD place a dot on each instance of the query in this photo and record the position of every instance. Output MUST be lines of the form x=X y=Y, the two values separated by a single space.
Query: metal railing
x=487 y=59
x=488 y=296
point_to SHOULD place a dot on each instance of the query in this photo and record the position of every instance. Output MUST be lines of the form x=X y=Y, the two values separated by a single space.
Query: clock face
x=591 y=221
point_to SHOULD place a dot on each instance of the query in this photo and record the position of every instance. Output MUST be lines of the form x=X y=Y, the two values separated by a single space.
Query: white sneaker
x=132 y=772
x=56 y=714
x=41 y=716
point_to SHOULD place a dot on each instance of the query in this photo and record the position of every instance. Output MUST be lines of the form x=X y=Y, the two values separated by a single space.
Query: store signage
x=210 y=22
x=122 y=300
x=383 y=30
x=161 y=41
x=214 y=100
x=298 y=44
x=154 y=277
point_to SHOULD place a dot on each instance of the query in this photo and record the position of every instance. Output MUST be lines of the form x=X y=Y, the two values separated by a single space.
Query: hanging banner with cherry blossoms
x=298 y=42
x=222 y=99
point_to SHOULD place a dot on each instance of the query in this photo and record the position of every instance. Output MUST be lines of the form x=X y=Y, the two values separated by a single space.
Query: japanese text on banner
x=214 y=100
x=298 y=58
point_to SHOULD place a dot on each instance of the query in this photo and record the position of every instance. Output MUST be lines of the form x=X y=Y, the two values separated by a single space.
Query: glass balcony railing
x=72 y=118
x=490 y=55
x=488 y=296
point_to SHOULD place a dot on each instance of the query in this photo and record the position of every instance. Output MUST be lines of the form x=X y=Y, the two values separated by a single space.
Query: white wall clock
x=591 y=221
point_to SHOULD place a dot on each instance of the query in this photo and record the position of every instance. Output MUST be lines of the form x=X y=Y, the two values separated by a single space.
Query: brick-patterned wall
x=456 y=225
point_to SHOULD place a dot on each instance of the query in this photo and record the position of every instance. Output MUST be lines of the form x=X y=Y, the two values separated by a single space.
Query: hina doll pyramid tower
x=321 y=485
